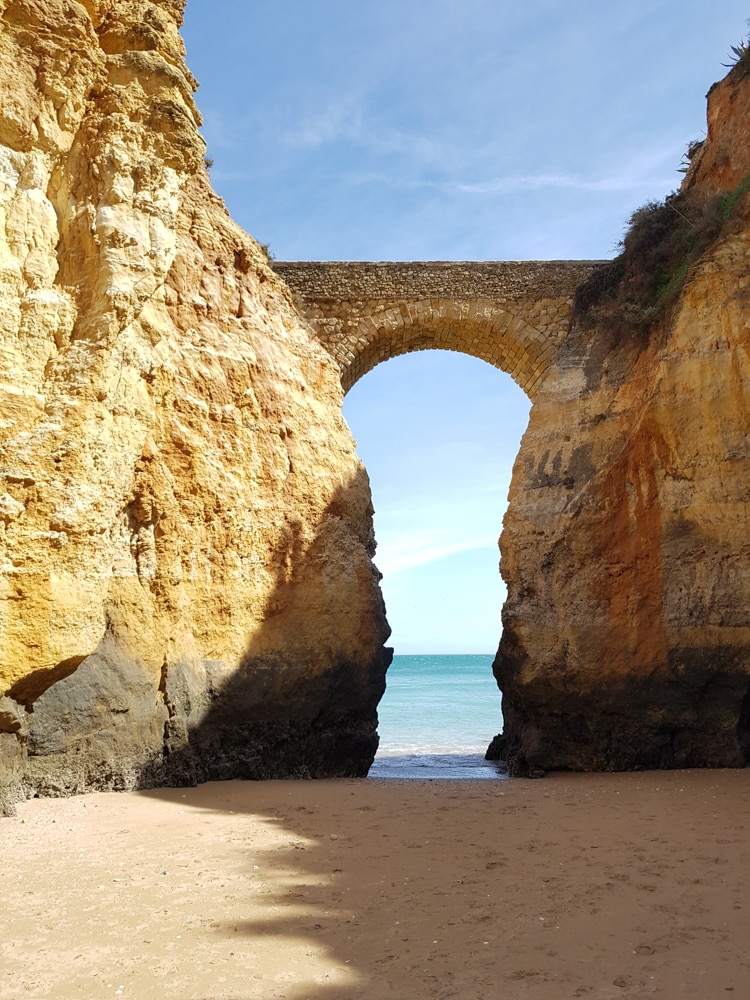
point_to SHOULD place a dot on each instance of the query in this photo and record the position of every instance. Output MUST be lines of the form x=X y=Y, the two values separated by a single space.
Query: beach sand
x=591 y=886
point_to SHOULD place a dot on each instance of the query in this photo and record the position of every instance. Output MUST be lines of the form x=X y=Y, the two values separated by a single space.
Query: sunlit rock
x=185 y=529
x=626 y=549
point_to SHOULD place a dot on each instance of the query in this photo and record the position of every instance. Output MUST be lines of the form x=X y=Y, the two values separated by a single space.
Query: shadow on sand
x=333 y=888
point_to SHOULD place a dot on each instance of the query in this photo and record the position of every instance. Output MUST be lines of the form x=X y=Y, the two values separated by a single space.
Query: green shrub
x=662 y=241
x=689 y=153
x=728 y=200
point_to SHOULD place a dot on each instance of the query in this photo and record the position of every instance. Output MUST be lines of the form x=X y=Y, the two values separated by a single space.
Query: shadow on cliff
x=295 y=708
x=322 y=900
x=303 y=701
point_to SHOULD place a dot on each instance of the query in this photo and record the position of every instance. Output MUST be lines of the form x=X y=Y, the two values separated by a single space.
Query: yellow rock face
x=186 y=589
x=180 y=500
x=626 y=546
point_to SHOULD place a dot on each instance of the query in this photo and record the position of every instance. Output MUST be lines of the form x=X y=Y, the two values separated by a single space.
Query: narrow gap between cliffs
x=438 y=433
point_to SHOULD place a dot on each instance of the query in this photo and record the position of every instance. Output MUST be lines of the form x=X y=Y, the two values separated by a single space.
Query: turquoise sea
x=437 y=717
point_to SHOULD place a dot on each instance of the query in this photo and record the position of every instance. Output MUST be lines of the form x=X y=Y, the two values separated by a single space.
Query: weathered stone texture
x=512 y=314
x=185 y=529
x=721 y=162
x=186 y=589
x=626 y=550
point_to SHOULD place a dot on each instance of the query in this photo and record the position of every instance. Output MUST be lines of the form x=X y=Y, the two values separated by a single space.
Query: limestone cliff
x=185 y=529
x=626 y=546
x=186 y=590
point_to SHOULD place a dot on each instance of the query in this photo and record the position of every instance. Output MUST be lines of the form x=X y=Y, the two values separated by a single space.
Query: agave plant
x=740 y=55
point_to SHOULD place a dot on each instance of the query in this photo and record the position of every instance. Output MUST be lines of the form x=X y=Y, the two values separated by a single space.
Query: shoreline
x=436 y=765
x=578 y=885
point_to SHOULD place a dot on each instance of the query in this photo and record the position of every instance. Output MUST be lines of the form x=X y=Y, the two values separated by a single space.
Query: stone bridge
x=513 y=314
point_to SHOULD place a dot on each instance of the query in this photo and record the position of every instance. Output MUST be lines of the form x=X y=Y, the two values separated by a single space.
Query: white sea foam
x=437 y=717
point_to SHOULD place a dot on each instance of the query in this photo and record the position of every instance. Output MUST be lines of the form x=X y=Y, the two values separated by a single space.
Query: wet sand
x=595 y=886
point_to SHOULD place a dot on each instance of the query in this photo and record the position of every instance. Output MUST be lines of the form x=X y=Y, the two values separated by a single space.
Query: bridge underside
x=514 y=315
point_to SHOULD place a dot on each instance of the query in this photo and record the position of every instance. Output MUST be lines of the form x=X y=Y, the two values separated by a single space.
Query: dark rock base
x=698 y=719
x=111 y=727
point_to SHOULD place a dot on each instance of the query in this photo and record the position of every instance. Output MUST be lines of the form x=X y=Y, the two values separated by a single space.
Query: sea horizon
x=437 y=717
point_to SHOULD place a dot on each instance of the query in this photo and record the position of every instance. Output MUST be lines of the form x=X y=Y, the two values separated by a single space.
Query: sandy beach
x=582 y=885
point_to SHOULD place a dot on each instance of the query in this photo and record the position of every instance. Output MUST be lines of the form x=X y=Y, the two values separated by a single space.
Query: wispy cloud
x=348 y=120
x=657 y=163
x=536 y=182
x=340 y=119
x=417 y=152
x=499 y=185
x=396 y=554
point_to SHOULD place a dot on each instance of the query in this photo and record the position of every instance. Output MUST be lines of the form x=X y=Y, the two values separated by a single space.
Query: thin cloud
x=341 y=119
x=395 y=555
x=536 y=182
x=348 y=121
x=646 y=167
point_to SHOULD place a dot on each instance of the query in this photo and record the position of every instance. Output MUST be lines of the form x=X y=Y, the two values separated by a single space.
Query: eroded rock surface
x=186 y=589
x=626 y=546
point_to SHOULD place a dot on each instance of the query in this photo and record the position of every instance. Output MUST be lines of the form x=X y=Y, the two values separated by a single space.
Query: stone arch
x=512 y=314
x=480 y=328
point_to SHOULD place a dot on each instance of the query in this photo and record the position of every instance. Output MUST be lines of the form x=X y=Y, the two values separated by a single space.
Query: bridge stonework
x=512 y=314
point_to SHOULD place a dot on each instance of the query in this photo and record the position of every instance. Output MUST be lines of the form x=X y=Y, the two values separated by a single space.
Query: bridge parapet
x=512 y=314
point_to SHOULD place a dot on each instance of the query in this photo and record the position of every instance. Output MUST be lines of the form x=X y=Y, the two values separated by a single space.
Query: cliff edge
x=626 y=551
x=186 y=585
x=186 y=590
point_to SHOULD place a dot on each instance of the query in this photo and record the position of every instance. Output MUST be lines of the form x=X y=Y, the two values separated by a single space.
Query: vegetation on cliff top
x=739 y=63
x=662 y=241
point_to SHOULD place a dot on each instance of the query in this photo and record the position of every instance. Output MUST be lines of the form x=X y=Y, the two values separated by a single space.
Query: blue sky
x=447 y=130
